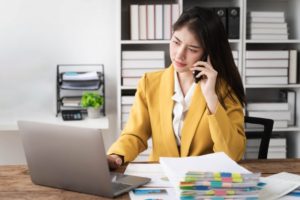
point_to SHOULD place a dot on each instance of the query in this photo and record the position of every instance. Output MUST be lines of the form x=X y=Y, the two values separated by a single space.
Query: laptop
x=72 y=158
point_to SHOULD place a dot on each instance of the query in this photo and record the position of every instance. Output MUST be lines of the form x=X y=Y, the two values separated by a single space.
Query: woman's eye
x=175 y=42
x=193 y=50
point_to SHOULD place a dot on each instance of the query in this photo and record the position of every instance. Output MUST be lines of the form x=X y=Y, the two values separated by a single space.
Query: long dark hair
x=209 y=30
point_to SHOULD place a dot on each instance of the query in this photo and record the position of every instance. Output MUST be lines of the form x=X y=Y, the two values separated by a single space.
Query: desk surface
x=15 y=182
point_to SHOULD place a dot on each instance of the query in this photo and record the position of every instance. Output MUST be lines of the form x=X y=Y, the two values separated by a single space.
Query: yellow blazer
x=202 y=132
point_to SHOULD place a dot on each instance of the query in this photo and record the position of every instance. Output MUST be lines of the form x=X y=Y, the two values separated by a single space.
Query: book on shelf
x=277 y=155
x=268 y=36
x=267 y=106
x=277 y=124
x=125 y=108
x=142 y=55
x=293 y=67
x=270 y=149
x=266 y=14
x=275 y=115
x=266 y=72
x=235 y=54
x=267 y=63
x=290 y=97
x=175 y=13
x=267 y=25
x=222 y=13
x=123 y=124
x=131 y=81
x=137 y=72
x=149 y=63
x=150 y=22
x=167 y=21
x=127 y=100
x=280 y=124
x=233 y=19
x=158 y=22
x=275 y=80
x=142 y=22
x=274 y=142
x=125 y=117
x=267 y=54
x=134 y=22
x=270 y=155
x=267 y=19
x=80 y=76
x=271 y=31
x=236 y=62
x=277 y=149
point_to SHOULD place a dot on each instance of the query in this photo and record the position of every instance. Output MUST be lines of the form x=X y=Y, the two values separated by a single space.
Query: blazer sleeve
x=137 y=131
x=227 y=128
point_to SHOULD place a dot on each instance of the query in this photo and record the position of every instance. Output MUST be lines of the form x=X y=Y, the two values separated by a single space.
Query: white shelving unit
x=290 y=7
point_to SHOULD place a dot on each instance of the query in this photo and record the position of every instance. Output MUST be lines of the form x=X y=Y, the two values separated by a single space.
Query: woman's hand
x=114 y=161
x=208 y=82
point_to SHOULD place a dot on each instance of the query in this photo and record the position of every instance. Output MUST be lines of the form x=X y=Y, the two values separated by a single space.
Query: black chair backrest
x=264 y=135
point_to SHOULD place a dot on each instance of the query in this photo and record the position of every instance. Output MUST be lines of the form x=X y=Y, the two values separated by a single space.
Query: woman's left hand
x=208 y=82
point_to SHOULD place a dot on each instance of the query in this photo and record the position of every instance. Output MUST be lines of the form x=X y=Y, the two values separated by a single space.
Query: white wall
x=35 y=36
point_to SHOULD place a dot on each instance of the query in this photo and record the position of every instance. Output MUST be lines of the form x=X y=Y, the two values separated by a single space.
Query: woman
x=185 y=118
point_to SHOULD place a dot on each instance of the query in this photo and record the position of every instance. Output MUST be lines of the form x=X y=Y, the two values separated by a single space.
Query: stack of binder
x=219 y=185
x=267 y=25
x=277 y=148
x=136 y=63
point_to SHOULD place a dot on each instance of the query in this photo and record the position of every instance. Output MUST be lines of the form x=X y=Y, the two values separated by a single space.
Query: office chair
x=264 y=134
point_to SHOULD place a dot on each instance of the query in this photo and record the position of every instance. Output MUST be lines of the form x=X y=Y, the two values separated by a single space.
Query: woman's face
x=185 y=50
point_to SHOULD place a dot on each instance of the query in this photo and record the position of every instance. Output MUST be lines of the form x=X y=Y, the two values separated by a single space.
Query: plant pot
x=93 y=112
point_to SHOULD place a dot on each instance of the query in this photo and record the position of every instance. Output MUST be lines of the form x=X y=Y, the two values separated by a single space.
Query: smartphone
x=196 y=72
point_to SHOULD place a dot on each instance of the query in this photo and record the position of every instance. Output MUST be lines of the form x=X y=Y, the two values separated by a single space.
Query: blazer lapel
x=166 y=91
x=192 y=119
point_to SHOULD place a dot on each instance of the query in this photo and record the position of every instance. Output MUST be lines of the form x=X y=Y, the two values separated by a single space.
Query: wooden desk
x=15 y=182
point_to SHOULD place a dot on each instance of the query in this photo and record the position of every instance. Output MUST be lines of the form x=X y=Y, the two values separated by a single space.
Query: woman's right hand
x=114 y=161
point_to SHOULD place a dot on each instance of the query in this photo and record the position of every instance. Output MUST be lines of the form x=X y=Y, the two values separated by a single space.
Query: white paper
x=80 y=76
x=279 y=185
x=169 y=196
x=175 y=168
x=153 y=171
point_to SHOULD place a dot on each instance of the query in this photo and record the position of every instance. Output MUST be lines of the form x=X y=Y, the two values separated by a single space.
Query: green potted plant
x=93 y=102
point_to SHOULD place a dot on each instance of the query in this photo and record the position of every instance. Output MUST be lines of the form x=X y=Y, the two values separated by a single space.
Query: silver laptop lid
x=66 y=157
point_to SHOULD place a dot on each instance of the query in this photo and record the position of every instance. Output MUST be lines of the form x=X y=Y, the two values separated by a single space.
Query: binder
x=233 y=28
x=222 y=13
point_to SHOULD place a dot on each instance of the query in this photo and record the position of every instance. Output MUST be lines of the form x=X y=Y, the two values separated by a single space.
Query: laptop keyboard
x=119 y=186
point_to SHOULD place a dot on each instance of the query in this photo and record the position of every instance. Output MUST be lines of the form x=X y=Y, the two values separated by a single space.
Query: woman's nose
x=180 y=54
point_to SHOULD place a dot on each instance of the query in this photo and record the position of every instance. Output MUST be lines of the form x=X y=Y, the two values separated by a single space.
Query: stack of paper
x=198 y=185
x=80 y=76
x=80 y=80
x=274 y=187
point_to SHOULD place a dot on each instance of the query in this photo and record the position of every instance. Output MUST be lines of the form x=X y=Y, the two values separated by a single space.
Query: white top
x=181 y=106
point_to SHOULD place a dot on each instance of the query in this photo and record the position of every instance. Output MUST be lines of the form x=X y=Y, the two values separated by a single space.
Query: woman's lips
x=179 y=64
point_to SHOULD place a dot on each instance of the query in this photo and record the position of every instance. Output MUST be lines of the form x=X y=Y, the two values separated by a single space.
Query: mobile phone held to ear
x=196 y=72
